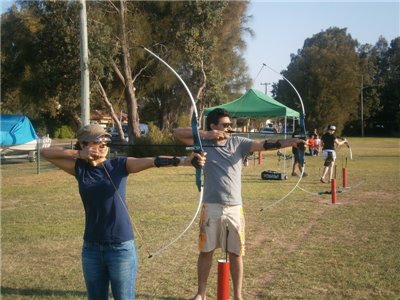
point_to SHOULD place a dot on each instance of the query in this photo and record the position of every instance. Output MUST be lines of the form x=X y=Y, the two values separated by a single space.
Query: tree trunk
x=130 y=97
x=111 y=111
x=200 y=94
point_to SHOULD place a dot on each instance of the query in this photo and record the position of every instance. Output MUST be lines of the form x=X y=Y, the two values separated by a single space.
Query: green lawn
x=303 y=247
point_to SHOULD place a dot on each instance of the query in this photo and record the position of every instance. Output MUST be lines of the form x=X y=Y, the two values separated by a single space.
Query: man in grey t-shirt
x=222 y=200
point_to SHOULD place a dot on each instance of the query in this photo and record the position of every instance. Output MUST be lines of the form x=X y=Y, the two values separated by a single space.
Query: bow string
x=348 y=147
x=303 y=136
x=197 y=147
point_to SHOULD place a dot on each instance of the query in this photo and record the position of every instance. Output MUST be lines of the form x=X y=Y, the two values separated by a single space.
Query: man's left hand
x=198 y=160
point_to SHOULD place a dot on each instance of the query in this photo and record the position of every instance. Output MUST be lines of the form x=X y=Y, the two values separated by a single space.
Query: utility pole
x=85 y=90
x=266 y=87
x=362 y=106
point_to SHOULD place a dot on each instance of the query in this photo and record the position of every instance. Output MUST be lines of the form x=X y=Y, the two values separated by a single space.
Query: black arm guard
x=271 y=146
x=165 y=161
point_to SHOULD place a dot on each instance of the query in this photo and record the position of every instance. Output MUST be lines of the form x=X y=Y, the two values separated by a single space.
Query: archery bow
x=197 y=147
x=350 y=151
x=348 y=146
x=303 y=132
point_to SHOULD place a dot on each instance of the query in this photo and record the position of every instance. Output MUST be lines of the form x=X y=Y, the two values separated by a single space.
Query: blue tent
x=16 y=130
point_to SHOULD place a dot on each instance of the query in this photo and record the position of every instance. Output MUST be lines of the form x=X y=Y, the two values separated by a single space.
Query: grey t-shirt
x=223 y=171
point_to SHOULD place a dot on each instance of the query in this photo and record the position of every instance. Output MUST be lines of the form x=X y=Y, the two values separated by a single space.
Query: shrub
x=64 y=132
x=156 y=142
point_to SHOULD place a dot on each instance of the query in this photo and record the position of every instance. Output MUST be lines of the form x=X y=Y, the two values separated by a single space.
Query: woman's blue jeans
x=105 y=263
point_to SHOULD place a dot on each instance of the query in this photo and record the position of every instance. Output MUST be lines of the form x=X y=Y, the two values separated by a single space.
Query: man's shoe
x=294 y=174
x=305 y=174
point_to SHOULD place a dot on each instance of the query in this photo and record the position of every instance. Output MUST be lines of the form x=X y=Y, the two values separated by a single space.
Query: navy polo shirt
x=106 y=214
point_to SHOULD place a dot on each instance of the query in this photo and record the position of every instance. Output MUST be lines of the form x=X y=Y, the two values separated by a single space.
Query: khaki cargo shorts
x=222 y=224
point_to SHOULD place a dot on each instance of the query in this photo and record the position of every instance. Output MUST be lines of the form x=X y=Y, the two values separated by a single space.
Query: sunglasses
x=226 y=125
x=101 y=145
x=104 y=145
x=104 y=142
x=103 y=139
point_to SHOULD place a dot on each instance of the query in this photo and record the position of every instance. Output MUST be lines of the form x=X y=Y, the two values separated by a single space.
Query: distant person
x=311 y=144
x=328 y=142
x=317 y=145
x=222 y=204
x=108 y=251
x=298 y=153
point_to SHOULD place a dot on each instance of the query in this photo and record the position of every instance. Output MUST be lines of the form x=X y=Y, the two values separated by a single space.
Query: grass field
x=301 y=248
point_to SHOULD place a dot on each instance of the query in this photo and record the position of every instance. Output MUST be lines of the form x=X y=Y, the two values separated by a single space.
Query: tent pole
x=284 y=161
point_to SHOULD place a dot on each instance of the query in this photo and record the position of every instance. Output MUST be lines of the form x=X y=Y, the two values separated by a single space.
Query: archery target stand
x=223 y=279
x=224 y=273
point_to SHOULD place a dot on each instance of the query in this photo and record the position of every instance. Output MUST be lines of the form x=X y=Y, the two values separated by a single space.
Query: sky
x=281 y=27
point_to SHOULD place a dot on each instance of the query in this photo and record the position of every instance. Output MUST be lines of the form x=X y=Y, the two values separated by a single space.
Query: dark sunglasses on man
x=226 y=125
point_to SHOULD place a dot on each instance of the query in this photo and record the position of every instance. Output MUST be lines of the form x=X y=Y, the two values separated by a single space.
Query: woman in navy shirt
x=108 y=252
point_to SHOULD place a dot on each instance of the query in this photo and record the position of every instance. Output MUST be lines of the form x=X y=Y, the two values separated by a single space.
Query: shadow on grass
x=7 y=291
x=143 y=296
x=14 y=161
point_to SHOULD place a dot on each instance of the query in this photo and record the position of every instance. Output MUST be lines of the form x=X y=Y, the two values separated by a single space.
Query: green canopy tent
x=255 y=104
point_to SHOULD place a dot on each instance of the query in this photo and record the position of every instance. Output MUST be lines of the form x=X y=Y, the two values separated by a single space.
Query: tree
x=203 y=44
x=389 y=116
x=369 y=89
x=130 y=97
x=326 y=73
x=17 y=35
x=214 y=50
x=46 y=80
x=40 y=57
